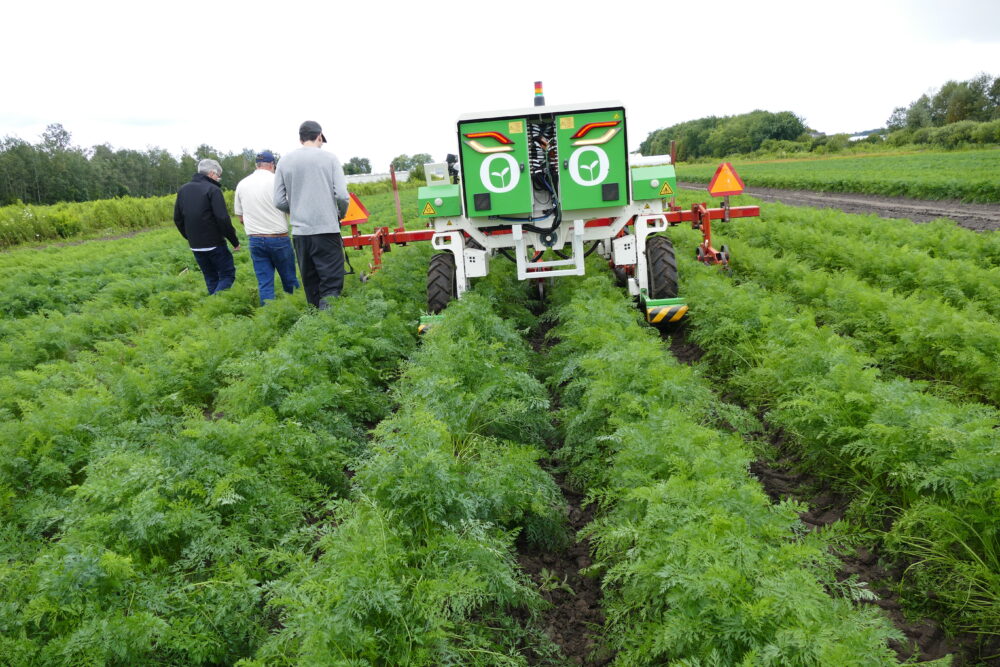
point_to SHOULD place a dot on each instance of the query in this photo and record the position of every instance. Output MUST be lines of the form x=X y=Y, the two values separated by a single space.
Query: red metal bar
x=395 y=194
x=384 y=236
x=675 y=217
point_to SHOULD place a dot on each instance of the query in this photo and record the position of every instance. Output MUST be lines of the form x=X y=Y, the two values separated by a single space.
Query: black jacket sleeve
x=222 y=218
x=178 y=216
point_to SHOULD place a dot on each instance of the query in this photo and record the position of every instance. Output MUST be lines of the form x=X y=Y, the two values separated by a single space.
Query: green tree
x=358 y=165
x=919 y=114
x=402 y=162
x=713 y=136
x=897 y=121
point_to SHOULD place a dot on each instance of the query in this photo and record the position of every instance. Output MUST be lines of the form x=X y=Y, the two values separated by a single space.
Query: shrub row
x=21 y=223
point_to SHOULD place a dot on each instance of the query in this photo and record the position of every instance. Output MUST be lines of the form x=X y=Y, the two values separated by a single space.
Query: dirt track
x=978 y=217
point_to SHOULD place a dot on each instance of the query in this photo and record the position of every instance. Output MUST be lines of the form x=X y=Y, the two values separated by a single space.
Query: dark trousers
x=321 y=263
x=270 y=254
x=218 y=268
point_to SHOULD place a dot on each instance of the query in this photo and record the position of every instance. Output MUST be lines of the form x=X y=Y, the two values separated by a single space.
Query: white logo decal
x=504 y=179
x=601 y=165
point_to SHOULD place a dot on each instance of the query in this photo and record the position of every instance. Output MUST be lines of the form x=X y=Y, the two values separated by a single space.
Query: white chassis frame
x=449 y=235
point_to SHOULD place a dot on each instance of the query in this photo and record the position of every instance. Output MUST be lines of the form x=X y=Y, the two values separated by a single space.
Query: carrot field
x=191 y=480
x=969 y=176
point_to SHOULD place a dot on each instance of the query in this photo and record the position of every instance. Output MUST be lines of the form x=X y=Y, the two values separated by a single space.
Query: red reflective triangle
x=356 y=212
x=725 y=182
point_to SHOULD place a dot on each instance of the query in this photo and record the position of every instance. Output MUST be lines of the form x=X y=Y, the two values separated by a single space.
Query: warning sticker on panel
x=567 y=123
x=665 y=190
x=428 y=209
x=516 y=127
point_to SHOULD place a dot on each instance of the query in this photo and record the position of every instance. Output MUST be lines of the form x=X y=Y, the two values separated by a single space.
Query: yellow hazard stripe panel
x=659 y=314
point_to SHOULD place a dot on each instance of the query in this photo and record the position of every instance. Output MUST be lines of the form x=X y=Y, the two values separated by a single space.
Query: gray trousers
x=321 y=263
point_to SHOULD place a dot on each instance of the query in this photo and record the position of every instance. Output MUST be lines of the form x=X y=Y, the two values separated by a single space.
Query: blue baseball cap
x=265 y=156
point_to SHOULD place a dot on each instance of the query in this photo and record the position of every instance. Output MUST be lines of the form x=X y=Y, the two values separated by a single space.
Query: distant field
x=971 y=176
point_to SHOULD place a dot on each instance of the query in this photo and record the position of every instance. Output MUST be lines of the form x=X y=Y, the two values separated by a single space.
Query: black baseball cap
x=311 y=127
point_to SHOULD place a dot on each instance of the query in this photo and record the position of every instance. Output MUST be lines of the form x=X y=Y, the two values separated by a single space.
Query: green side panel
x=440 y=201
x=592 y=175
x=676 y=301
x=659 y=182
x=495 y=182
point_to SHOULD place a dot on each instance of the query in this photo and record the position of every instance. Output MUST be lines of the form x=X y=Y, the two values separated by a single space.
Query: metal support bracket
x=454 y=242
x=527 y=268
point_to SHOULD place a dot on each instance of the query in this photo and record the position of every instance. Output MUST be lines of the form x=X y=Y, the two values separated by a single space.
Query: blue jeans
x=218 y=268
x=270 y=254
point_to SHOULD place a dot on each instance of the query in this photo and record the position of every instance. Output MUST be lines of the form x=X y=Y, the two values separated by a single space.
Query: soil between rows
x=576 y=619
x=977 y=217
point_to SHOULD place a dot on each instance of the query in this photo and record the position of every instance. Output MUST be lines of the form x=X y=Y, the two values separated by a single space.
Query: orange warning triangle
x=725 y=182
x=356 y=212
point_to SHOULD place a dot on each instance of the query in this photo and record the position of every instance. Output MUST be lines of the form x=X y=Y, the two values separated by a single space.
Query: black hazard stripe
x=658 y=314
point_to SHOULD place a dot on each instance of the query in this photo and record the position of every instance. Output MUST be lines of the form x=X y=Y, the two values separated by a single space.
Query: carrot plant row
x=152 y=488
x=698 y=566
x=819 y=239
x=941 y=239
x=417 y=566
x=925 y=464
x=918 y=336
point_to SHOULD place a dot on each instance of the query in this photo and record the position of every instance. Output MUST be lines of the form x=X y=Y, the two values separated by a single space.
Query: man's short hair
x=309 y=130
x=209 y=165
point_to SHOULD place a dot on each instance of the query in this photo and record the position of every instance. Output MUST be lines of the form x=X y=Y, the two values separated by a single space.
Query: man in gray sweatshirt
x=309 y=185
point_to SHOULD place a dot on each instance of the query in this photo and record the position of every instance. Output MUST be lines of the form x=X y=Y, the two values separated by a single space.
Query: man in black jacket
x=201 y=217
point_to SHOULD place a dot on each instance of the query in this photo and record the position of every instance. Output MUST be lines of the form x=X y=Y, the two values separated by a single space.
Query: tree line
x=55 y=170
x=977 y=99
x=716 y=136
x=959 y=113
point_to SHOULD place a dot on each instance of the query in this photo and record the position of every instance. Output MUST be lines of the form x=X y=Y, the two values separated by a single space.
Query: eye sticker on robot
x=596 y=170
x=501 y=178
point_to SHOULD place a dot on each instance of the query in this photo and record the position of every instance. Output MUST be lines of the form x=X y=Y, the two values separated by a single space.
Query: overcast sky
x=384 y=80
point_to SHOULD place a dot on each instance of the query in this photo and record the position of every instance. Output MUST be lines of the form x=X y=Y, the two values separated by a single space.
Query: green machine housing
x=526 y=162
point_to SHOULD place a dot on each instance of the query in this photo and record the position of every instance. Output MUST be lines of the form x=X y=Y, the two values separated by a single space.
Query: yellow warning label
x=567 y=123
x=665 y=190
x=428 y=209
x=515 y=127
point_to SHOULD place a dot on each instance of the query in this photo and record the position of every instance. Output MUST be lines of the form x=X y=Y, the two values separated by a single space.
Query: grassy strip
x=915 y=336
x=30 y=224
x=417 y=568
x=816 y=237
x=964 y=175
x=698 y=566
x=177 y=517
x=925 y=462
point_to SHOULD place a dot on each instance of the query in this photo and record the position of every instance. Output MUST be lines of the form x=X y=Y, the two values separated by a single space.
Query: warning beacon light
x=539 y=97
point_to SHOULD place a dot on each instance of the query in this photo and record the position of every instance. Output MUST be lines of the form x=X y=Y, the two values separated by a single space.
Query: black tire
x=440 y=282
x=621 y=278
x=661 y=267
